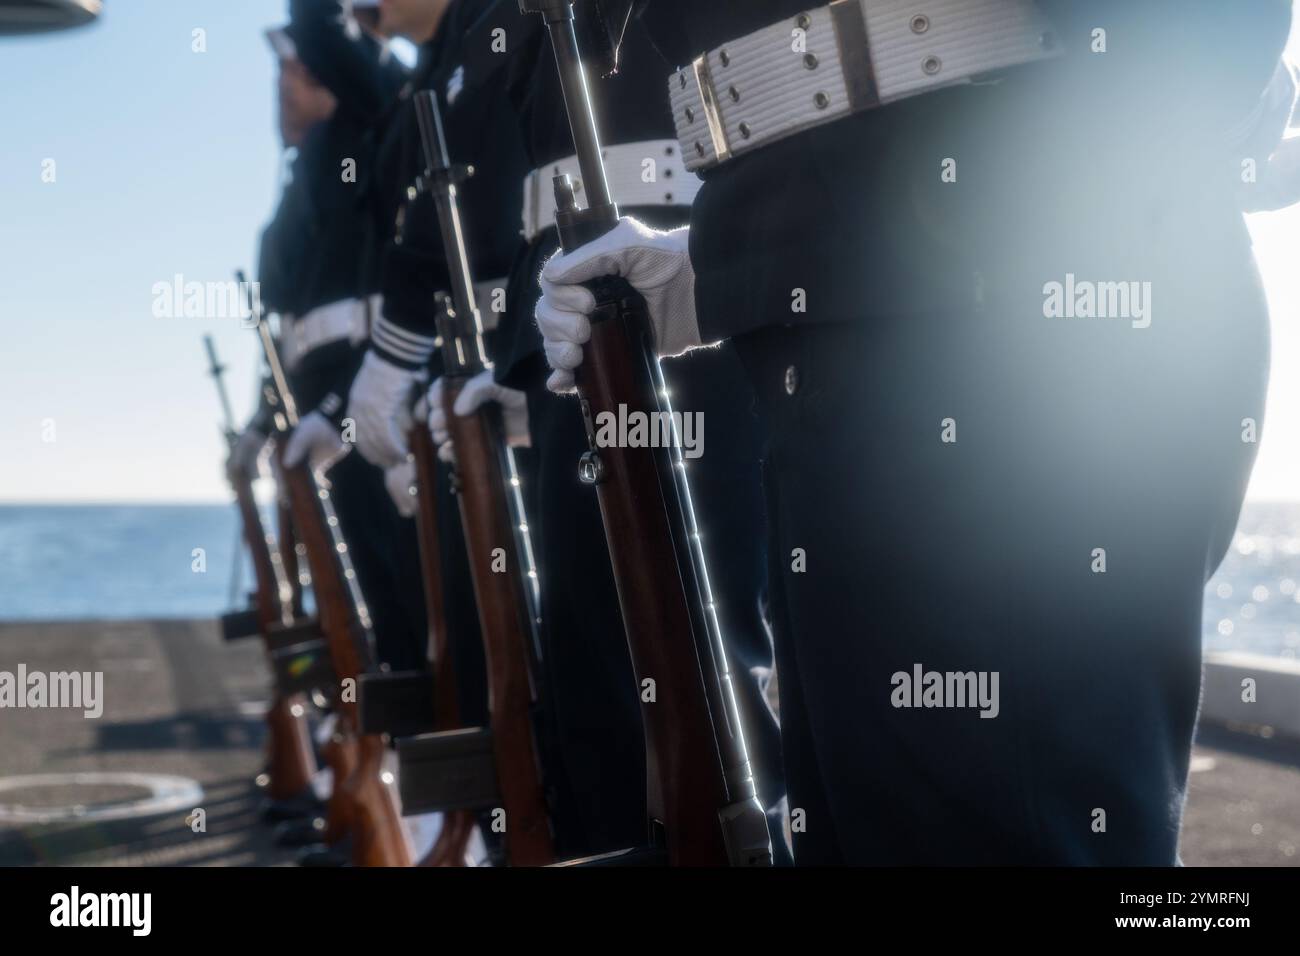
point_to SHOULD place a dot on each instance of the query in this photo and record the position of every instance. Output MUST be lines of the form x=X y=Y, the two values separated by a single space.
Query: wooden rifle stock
x=362 y=804
x=290 y=761
x=505 y=616
x=701 y=797
x=425 y=454
x=335 y=622
x=288 y=553
x=457 y=825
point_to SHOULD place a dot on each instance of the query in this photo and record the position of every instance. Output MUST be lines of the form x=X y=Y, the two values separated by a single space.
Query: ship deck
x=180 y=703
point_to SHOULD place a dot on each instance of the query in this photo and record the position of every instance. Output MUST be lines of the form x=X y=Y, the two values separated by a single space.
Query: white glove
x=400 y=482
x=380 y=403
x=477 y=392
x=316 y=440
x=438 y=423
x=245 y=456
x=657 y=264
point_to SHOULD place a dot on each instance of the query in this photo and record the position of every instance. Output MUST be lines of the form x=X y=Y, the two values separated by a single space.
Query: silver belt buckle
x=709 y=100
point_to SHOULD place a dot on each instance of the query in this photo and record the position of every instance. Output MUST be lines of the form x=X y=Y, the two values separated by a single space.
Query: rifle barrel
x=217 y=371
x=272 y=354
x=582 y=122
x=442 y=184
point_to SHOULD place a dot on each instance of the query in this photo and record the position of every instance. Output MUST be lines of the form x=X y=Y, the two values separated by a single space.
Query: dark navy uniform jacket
x=365 y=83
x=402 y=255
x=314 y=250
x=355 y=66
x=318 y=230
x=398 y=244
x=466 y=65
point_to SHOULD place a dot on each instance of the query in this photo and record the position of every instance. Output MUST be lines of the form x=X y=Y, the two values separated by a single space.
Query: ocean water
x=118 y=561
x=1253 y=601
x=136 y=561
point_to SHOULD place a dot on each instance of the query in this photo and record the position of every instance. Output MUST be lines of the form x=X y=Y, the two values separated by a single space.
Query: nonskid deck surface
x=1243 y=803
x=181 y=713
x=179 y=727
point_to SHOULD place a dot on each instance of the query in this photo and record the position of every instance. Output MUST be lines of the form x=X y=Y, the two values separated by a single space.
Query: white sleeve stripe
x=406 y=345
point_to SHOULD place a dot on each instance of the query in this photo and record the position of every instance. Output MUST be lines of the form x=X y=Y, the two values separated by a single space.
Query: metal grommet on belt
x=873 y=63
x=791 y=380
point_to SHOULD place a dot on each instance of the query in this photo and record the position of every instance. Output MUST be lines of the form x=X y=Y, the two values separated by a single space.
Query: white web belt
x=839 y=59
x=640 y=174
x=344 y=319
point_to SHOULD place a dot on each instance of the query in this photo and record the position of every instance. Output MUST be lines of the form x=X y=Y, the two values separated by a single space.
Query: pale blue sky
x=167 y=163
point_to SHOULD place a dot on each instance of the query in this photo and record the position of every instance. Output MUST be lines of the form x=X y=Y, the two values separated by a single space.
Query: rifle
x=288 y=555
x=701 y=797
x=485 y=475
x=362 y=803
x=458 y=825
x=291 y=764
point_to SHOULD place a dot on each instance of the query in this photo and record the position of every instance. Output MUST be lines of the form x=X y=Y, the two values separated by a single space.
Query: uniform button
x=791 y=380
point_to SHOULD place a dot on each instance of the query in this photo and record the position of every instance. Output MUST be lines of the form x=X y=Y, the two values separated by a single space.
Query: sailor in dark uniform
x=594 y=697
x=985 y=266
x=391 y=264
x=401 y=265
x=309 y=274
x=468 y=65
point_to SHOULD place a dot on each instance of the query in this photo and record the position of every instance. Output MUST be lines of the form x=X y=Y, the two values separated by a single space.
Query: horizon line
x=116 y=502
